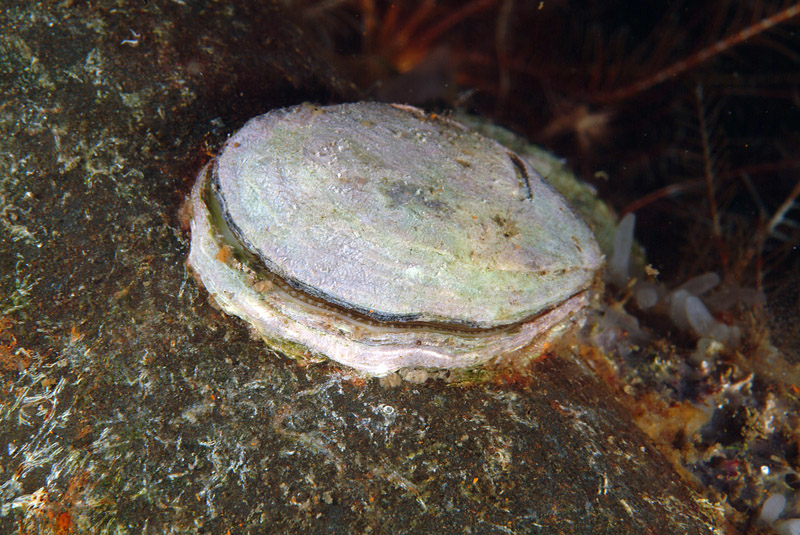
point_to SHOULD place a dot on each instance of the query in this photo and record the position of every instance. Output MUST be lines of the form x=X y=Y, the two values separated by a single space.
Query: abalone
x=383 y=237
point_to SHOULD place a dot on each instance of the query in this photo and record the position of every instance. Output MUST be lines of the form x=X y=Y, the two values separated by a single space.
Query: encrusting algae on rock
x=383 y=238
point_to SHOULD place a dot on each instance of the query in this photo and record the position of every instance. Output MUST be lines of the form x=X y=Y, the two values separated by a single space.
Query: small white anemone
x=685 y=305
x=771 y=510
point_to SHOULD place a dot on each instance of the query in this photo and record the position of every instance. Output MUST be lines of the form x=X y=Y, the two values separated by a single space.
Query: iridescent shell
x=382 y=237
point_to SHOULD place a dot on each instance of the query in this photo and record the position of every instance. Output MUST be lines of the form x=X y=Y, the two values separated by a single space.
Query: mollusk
x=383 y=238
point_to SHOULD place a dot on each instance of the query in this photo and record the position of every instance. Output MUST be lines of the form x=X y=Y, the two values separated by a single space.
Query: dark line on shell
x=522 y=174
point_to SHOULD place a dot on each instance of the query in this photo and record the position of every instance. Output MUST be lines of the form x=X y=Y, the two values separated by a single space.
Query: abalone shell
x=384 y=237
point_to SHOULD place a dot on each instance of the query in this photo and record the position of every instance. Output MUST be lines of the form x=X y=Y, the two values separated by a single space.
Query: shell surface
x=382 y=237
